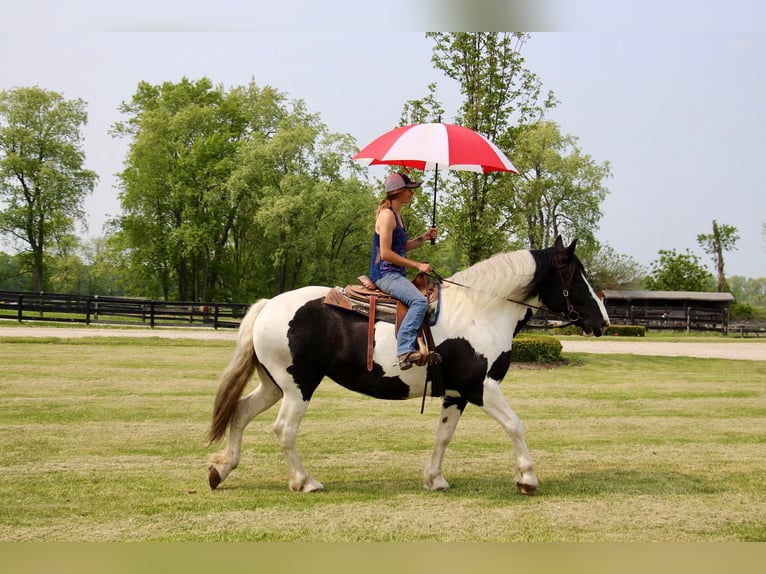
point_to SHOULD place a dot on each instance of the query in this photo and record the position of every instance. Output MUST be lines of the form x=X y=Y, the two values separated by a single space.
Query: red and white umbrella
x=435 y=147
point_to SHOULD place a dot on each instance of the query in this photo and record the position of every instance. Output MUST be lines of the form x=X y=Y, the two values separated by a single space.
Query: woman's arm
x=385 y=226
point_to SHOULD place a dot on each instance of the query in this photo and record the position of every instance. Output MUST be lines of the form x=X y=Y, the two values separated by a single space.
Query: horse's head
x=566 y=290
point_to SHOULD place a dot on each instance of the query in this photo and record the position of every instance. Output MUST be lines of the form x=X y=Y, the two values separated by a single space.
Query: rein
x=570 y=315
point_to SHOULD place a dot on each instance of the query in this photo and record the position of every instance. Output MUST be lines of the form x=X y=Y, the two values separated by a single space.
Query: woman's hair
x=385 y=203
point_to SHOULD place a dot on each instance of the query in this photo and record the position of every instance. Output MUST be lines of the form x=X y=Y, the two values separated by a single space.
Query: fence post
x=87 y=310
x=215 y=317
x=21 y=307
x=151 y=314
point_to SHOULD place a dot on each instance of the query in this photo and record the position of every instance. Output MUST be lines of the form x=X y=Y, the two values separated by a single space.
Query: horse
x=294 y=340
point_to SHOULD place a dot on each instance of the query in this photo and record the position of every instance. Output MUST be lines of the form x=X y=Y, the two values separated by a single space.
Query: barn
x=669 y=310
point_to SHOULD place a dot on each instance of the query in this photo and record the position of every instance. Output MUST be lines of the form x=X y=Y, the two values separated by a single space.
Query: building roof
x=667 y=295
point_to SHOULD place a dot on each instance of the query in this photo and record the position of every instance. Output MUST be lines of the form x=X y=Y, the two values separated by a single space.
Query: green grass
x=102 y=439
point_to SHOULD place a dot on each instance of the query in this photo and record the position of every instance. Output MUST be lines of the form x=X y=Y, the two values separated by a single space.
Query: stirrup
x=406 y=360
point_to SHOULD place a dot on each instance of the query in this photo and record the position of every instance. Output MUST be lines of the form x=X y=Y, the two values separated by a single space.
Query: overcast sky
x=672 y=96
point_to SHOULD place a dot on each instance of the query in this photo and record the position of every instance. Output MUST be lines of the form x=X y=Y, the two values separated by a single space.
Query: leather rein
x=570 y=315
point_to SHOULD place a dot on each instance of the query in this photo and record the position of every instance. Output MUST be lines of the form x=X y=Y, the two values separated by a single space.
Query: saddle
x=367 y=300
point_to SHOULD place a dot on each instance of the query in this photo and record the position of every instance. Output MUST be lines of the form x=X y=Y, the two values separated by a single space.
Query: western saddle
x=367 y=300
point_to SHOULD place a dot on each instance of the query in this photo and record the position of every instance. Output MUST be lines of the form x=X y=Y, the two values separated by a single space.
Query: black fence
x=96 y=309
x=660 y=319
x=665 y=318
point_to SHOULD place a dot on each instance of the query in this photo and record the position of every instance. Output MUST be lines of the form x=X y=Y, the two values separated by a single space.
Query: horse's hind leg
x=262 y=398
x=452 y=408
x=496 y=406
x=291 y=412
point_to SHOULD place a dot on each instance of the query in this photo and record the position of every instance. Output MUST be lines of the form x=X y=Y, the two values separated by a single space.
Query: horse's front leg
x=222 y=463
x=286 y=428
x=452 y=408
x=496 y=406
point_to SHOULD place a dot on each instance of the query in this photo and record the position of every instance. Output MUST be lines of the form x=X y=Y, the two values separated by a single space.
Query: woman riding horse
x=295 y=340
x=388 y=264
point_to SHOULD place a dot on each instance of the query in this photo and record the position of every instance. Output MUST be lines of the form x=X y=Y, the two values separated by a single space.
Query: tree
x=559 y=190
x=608 y=269
x=42 y=179
x=747 y=290
x=231 y=195
x=500 y=96
x=678 y=272
x=173 y=194
x=13 y=275
x=723 y=238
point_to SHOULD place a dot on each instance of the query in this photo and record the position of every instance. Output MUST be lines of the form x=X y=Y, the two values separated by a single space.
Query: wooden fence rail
x=96 y=309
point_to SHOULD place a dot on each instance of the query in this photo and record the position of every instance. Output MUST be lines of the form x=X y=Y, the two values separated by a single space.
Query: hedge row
x=611 y=331
x=535 y=349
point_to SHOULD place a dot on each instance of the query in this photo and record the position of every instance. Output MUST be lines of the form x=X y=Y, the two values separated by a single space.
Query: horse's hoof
x=213 y=478
x=527 y=489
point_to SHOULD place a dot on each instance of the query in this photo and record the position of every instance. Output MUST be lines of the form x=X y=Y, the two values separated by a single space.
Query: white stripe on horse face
x=597 y=299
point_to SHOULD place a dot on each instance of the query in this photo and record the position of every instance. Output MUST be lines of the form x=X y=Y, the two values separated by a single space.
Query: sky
x=672 y=97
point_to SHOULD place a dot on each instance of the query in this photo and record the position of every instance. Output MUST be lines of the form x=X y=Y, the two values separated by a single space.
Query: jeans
x=397 y=285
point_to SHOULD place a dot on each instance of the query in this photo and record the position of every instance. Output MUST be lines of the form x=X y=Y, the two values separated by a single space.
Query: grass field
x=102 y=439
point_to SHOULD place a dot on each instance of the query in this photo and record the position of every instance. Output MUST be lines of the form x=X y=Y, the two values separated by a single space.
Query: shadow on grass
x=500 y=488
x=630 y=482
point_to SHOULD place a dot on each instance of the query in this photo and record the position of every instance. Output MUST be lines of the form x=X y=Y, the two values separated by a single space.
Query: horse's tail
x=236 y=375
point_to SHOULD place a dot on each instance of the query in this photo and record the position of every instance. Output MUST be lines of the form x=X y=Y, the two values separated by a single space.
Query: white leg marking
x=262 y=398
x=286 y=428
x=496 y=406
x=432 y=476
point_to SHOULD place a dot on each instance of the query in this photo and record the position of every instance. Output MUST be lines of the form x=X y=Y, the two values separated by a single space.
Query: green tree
x=13 y=275
x=750 y=291
x=231 y=195
x=500 y=96
x=173 y=196
x=678 y=272
x=608 y=269
x=105 y=272
x=559 y=190
x=42 y=179
x=723 y=238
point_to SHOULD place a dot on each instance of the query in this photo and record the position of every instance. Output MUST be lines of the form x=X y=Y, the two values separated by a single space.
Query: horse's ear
x=566 y=252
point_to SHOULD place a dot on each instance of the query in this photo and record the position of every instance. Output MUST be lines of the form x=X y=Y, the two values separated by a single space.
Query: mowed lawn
x=103 y=439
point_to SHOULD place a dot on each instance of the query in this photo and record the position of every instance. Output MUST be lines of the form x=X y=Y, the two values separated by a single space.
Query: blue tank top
x=379 y=266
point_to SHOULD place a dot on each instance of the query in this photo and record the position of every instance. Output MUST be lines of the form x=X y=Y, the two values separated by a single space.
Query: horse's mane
x=509 y=274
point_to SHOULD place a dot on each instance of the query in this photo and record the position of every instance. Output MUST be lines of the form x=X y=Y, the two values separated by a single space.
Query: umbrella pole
x=433 y=214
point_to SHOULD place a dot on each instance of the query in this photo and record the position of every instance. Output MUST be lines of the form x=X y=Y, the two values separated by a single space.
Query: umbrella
x=435 y=146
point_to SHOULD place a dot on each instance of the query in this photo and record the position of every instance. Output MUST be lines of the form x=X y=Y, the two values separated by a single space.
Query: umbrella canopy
x=435 y=146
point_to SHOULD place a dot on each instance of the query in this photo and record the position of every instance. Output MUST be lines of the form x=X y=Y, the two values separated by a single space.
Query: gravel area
x=752 y=350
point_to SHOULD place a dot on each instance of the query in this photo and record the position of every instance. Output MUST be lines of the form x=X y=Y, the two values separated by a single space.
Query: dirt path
x=747 y=351
x=753 y=350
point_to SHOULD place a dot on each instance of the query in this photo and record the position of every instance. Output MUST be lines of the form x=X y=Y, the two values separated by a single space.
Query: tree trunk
x=37 y=270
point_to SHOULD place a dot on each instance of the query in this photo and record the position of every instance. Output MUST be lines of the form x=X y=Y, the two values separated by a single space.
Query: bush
x=625 y=331
x=535 y=349
x=739 y=311
x=568 y=330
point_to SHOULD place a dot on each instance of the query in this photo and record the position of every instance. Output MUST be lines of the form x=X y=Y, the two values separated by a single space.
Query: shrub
x=740 y=311
x=535 y=349
x=625 y=331
x=568 y=330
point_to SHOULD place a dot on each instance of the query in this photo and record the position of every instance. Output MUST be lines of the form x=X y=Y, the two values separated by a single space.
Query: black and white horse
x=295 y=340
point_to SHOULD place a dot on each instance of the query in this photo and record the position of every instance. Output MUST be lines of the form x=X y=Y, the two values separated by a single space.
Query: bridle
x=571 y=315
